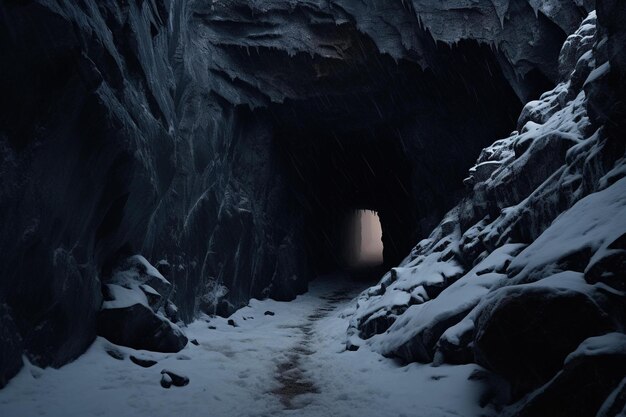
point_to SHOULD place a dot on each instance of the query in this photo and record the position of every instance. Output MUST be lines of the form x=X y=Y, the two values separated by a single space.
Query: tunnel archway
x=335 y=174
x=397 y=140
x=363 y=245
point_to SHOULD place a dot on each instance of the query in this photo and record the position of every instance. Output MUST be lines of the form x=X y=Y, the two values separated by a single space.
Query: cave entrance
x=353 y=189
x=367 y=132
x=364 y=245
x=363 y=258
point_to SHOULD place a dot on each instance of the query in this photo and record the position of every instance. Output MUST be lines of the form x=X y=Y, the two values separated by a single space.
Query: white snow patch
x=608 y=344
x=593 y=222
x=232 y=373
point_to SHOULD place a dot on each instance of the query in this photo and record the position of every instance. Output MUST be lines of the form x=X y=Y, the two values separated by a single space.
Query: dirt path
x=290 y=375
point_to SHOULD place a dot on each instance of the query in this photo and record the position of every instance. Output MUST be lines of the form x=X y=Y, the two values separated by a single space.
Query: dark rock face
x=82 y=163
x=526 y=335
x=581 y=388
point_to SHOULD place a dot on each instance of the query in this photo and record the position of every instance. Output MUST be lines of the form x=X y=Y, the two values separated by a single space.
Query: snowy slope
x=236 y=371
x=531 y=262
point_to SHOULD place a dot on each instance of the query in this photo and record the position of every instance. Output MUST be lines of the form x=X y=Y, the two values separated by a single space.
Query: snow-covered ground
x=291 y=363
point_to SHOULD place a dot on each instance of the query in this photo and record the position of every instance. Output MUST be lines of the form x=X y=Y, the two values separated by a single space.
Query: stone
x=524 y=335
x=269 y=313
x=581 y=388
x=422 y=346
x=350 y=347
x=166 y=380
x=140 y=328
x=144 y=363
x=176 y=380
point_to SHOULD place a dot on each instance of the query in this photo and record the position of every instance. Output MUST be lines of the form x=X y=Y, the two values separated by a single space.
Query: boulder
x=525 y=332
x=139 y=327
x=166 y=380
x=421 y=347
x=144 y=363
x=588 y=377
x=176 y=380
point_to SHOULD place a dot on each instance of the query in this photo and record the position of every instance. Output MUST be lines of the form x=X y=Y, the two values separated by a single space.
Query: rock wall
x=529 y=267
x=158 y=127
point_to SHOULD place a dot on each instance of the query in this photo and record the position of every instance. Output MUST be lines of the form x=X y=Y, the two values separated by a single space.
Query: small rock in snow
x=175 y=379
x=145 y=363
x=166 y=381
x=351 y=347
x=115 y=354
x=231 y=322
x=269 y=313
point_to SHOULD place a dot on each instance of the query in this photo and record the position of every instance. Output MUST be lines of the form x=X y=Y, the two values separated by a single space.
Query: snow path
x=291 y=375
x=292 y=363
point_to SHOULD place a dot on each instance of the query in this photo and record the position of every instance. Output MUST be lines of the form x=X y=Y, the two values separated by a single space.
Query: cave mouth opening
x=364 y=244
x=353 y=189
x=362 y=255
x=388 y=136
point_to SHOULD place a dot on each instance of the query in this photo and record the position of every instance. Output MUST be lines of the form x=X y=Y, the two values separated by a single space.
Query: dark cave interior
x=400 y=147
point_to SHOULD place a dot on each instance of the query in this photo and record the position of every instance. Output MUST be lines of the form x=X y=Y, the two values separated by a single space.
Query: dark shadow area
x=390 y=137
x=352 y=174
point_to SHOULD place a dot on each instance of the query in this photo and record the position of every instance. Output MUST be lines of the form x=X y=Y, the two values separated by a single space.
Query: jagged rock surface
x=531 y=260
x=135 y=309
x=151 y=127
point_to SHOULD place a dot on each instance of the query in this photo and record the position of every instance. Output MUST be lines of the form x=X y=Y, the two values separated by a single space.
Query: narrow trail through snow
x=290 y=373
x=274 y=359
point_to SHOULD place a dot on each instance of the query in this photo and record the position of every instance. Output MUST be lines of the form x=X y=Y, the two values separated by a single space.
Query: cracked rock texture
x=166 y=128
x=529 y=265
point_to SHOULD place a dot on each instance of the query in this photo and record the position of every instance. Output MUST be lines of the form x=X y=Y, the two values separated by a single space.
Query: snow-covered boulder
x=554 y=191
x=524 y=332
x=414 y=336
x=589 y=376
x=134 y=313
x=136 y=271
x=138 y=327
